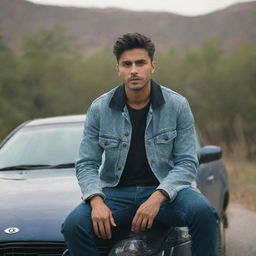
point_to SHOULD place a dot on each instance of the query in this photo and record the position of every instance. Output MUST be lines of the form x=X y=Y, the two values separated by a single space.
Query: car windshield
x=53 y=144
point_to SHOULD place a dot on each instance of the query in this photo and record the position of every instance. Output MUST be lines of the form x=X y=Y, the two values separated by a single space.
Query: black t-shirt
x=137 y=171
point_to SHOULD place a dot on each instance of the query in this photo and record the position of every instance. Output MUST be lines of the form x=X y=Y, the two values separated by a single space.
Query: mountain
x=95 y=27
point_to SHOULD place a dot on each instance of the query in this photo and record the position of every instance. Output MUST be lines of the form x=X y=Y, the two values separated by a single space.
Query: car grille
x=32 y=249
x=39 y=249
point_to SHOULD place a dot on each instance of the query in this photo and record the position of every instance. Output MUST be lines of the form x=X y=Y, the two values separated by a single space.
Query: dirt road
x=241 y=234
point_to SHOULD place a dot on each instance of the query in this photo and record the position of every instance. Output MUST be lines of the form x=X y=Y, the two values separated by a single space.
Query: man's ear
x=153 y=64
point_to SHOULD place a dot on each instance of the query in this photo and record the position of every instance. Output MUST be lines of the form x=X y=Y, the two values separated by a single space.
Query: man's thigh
x=120 y=202
x=188 y=203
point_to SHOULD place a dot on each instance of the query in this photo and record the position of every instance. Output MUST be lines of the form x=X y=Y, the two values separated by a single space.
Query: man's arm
x=90 y=155
x=184 y=154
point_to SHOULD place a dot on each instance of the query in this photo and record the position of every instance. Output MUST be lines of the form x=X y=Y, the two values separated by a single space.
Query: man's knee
x=205 y=214
x=78 y=220
x=70 y=225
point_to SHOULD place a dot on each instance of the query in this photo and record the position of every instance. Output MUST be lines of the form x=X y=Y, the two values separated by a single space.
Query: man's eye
x=126 y=64
x=140 y=63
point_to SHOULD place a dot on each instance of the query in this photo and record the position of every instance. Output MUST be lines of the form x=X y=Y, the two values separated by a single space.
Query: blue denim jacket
x=170 y=142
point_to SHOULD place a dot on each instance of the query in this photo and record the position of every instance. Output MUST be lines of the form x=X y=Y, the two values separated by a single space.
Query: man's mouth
x=134 y=79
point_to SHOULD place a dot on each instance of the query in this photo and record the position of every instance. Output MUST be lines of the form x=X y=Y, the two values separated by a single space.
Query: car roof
x=55 y=120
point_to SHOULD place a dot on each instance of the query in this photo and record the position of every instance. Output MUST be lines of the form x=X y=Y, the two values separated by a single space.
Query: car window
x=47 y=144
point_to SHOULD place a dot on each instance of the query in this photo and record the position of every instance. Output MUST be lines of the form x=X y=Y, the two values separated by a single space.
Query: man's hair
x=131 y=41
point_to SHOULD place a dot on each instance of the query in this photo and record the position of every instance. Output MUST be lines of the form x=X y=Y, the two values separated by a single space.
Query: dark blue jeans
x=190 y=208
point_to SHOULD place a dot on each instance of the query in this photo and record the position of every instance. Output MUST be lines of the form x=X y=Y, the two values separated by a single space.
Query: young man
x=138 y=160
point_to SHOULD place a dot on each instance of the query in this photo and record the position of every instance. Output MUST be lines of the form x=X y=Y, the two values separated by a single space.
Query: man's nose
x=134 y=70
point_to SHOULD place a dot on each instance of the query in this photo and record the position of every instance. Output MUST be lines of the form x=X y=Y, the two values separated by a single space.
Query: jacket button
x=126 y=134
x=124 y=145
x=166 y=138
x=119 y=168
x=152 y=161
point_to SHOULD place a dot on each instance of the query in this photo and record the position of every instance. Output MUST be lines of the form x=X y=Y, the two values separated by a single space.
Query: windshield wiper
x=25 y=167
x=37 y=166
x=66 y=165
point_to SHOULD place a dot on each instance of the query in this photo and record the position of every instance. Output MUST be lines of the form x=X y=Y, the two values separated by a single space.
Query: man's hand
x=147 y=212
x=102 y=218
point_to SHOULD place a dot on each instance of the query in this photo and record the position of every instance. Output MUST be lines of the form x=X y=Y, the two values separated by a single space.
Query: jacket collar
x=118 y=99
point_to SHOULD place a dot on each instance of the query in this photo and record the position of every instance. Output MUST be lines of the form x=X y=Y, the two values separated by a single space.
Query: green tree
x=10 y=115
x=51 y=76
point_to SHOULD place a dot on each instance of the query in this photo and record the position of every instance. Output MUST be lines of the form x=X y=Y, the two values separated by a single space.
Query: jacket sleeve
x=90 y=156
x=184 y=154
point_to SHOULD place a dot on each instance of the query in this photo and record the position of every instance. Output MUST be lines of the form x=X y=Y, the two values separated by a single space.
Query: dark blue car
x=39 y=188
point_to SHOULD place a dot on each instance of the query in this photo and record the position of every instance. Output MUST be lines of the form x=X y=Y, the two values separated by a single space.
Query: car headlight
x=130 y=247
x=136 y=246
x=178 y=235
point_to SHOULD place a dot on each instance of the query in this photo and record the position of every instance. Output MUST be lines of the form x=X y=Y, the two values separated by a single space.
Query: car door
x=209 y=180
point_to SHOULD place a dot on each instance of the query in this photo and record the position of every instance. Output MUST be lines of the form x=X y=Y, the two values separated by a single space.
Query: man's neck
x=138 y=99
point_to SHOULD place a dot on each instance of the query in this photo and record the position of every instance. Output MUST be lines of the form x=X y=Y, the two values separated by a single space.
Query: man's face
x=135 y=68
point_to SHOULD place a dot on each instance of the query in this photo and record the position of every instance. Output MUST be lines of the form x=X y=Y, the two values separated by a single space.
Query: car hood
x=36 y=202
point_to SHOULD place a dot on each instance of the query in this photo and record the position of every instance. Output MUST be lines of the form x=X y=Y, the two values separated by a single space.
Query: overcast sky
x=184 y=7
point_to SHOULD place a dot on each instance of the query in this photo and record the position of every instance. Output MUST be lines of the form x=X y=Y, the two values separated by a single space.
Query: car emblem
x=12 y=230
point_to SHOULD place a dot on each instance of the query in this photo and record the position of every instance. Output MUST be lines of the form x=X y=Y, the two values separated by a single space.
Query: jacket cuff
x=164 y=193
x=170 y=192
x=86 y=197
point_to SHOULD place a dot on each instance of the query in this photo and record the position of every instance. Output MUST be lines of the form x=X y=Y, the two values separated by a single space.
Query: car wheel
x=221 y=249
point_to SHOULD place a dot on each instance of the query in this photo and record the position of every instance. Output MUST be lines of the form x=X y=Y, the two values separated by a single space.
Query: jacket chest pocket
x=110 y=146
x=164 y=142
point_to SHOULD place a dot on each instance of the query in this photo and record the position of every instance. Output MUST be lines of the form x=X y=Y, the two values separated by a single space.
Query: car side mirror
x=209 y=153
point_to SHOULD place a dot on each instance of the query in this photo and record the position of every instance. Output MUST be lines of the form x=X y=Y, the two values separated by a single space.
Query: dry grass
x=242 y=179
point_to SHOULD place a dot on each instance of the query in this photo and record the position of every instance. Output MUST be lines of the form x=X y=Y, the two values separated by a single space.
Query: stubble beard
x=140 y=87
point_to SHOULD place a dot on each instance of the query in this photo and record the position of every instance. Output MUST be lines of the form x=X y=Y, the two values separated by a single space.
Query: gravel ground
x=241 y=233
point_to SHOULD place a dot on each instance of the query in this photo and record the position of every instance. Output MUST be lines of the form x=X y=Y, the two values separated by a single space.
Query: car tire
x=221 y=249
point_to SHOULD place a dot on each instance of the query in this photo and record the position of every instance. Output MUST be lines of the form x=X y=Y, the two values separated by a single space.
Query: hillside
x=99 y=27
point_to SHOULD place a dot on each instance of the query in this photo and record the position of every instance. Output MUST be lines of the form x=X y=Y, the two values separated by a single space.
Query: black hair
x=131 y=41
